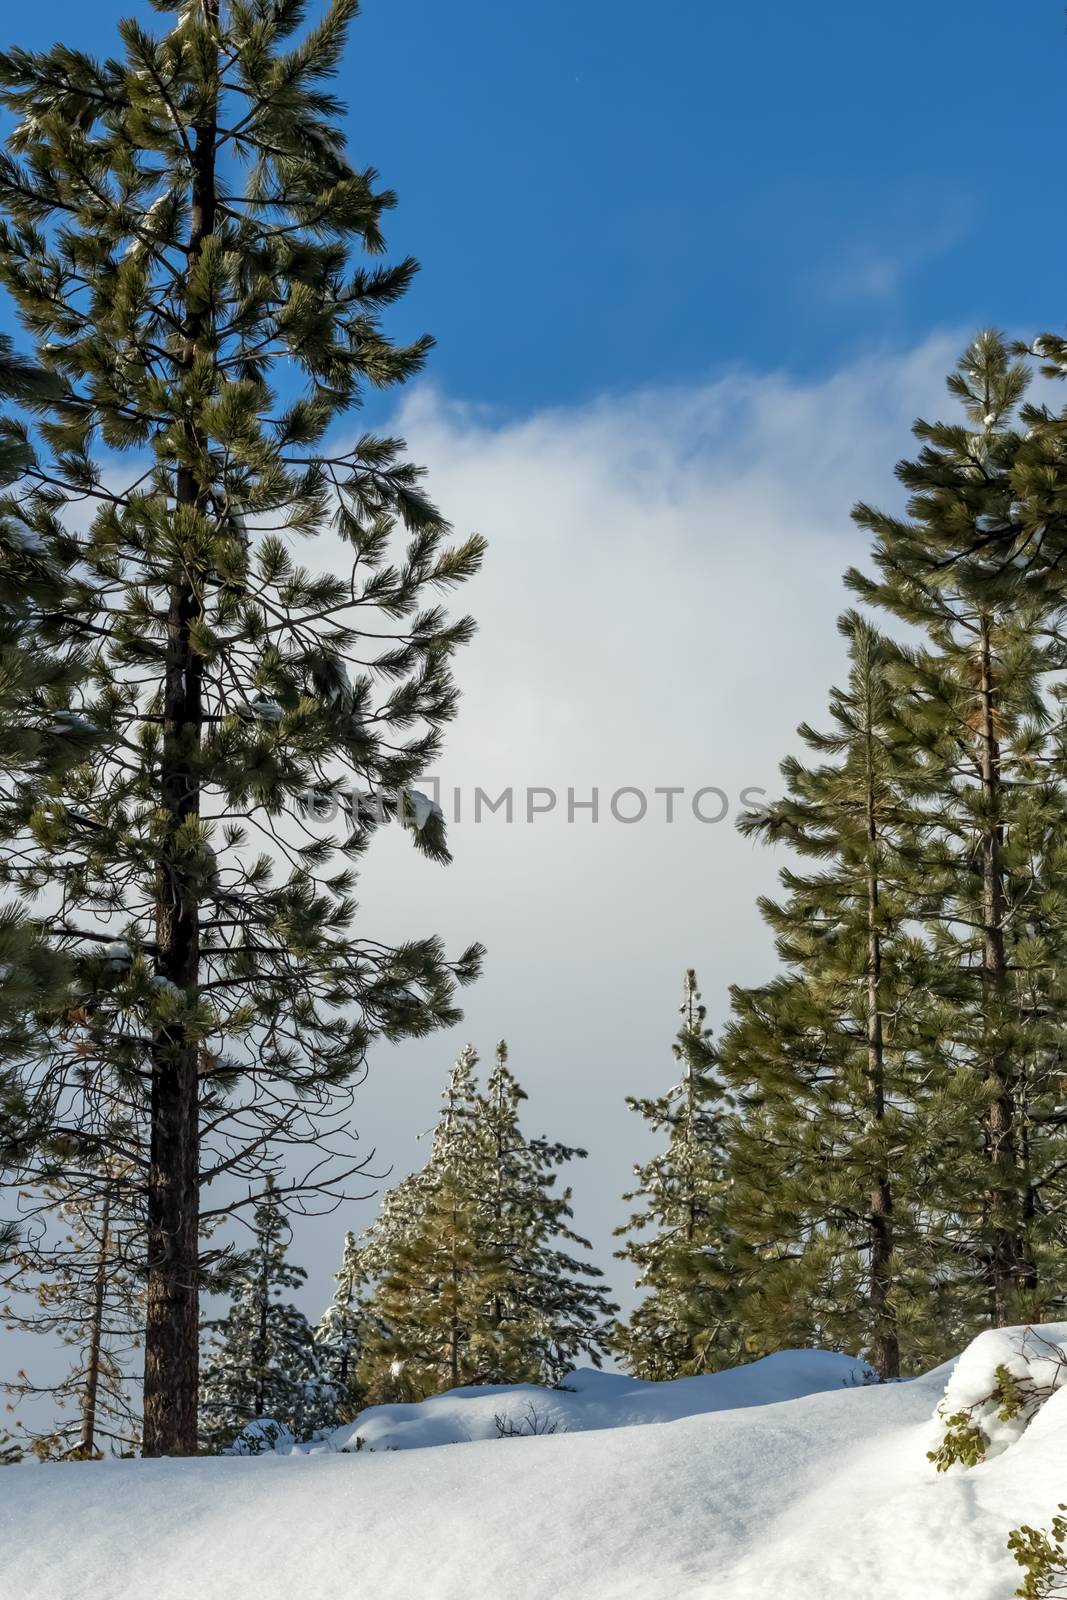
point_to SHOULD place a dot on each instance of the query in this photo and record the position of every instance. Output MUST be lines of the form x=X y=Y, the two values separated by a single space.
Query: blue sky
x=606 y=194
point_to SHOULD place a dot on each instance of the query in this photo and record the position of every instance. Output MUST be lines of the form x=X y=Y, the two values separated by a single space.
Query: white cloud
x=658 y=608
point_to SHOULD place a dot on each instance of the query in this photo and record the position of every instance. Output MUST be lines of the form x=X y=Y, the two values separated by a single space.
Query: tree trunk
x=1005 y=1241
x=172 y=1331
x=885 y=1345
x=87 y=1439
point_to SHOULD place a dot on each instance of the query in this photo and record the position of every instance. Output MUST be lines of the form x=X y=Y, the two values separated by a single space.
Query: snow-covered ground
x=784 y=1479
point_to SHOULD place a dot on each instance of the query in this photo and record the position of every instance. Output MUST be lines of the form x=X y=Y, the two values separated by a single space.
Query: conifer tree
x=261 y=1361
x=691 y=1316
x=84 y=1288
x=472 y=1280
x=341 y=1333
x=545 y=1305
x=430 y=1271
x=178 y=227
x=826 y=1160
x=38 y=738
x=978 y=712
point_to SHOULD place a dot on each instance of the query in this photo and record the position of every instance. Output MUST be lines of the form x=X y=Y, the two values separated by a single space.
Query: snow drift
x=787 y=1478
x=593 y=1401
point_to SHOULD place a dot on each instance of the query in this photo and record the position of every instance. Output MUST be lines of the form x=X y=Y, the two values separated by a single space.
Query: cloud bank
x=658 y=610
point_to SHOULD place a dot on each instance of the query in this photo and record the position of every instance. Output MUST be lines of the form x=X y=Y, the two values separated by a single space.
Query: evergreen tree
x=38 y=738
x=978 y=711
x=470 y=1281
x=261 y=1362
x=178 y=226
x=690 y=1319
x=545 y=1306
x=430 y=1273
x=84 y=1289
x=827 y=1158
x=341 y=1333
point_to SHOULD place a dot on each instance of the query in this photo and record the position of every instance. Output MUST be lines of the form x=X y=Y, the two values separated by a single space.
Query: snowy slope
x=826 y=1494
x=595 y=1400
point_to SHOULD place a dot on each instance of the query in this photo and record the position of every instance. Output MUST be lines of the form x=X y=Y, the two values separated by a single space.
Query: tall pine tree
x=827 y=1160
x=978 y=708
x=178 y=230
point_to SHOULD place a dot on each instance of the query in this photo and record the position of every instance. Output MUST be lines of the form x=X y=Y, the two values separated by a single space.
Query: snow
x=24 y=539
x=71 y=722
x=776 y=1480
x=266 y=710
x=595 y=1400
x=262 y=1435
x=1038 y=1361
x=422 y=807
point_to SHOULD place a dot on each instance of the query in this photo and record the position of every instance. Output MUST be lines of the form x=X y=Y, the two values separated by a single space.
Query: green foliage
x=1043 y=1558
x=963 y=1443
x=979 y=710
x=825 y=1060
x=691 y=1314
x=341 y=1335
x=260 y=1362
x=252 y=634
x=896 y=1158
x=470 y=1280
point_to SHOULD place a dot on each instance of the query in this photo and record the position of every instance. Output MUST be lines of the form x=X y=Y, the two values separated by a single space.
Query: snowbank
x=1001 y=1382
x=826 y=1492
x=594 y=1401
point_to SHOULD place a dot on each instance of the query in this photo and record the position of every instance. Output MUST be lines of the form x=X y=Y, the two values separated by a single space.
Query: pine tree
x=827 y=1158
x=978 y=711
x=690 y=1319
x=38 y=738
x=261 y=1362
x=84 y=1289
x=424 y=1252
x=178 y=227
x=471 y=1284
x=341 y=1333
x=545 y=1306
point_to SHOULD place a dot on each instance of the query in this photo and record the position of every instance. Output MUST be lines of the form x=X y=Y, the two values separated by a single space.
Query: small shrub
x=1043 y=1557
x=526 y=1427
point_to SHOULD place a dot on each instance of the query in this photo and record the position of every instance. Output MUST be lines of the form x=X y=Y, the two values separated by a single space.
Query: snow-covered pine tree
x=690 y=1317
x=341 y=1333
x=546 y=1306
x=825 y=1160
x=977 y=703
x=260 y=1361
x=426 y=1256
x=471 y=1280
x=178 y=230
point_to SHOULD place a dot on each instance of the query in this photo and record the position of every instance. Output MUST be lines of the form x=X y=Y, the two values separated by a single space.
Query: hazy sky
x=693 y=269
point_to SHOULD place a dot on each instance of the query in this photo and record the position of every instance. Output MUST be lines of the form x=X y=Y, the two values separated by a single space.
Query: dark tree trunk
x=172 y=1331
x=885 y=1344
x=1005 y=1252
